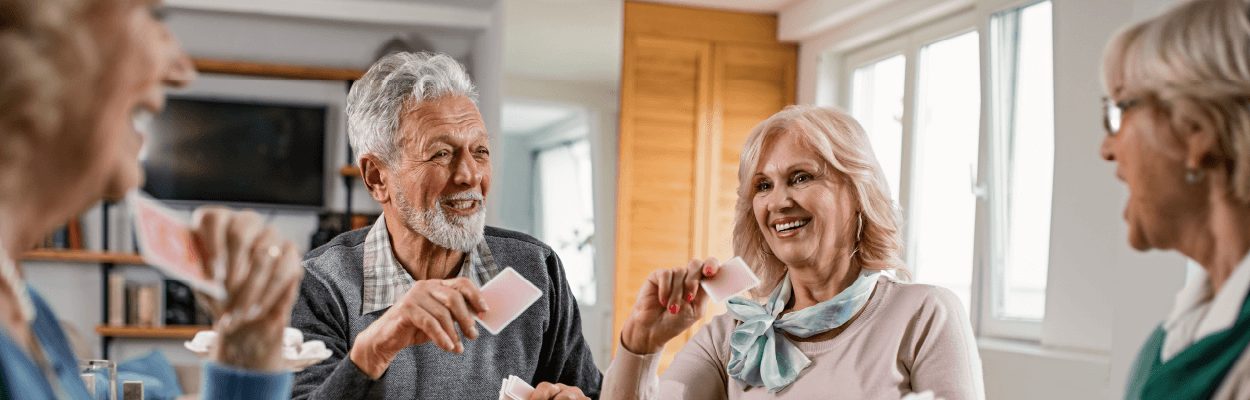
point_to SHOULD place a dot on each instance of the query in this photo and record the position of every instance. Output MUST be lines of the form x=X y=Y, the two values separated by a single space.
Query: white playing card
x=516 y=389
x=733 y=278
x=167 y=243
x=508 y=295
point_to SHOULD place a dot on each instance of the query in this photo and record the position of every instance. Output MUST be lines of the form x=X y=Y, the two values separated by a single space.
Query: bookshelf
x=185 y=332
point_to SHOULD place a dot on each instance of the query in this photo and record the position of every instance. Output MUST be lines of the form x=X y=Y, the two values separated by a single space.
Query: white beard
x=453 y=232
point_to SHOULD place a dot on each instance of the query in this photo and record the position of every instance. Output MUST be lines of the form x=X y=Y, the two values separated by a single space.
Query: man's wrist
x=368 y=360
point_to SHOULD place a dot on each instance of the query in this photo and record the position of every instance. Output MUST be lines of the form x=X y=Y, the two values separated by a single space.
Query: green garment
x=1194 y=373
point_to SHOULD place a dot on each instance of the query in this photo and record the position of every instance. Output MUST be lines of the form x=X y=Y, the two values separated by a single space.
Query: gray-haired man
x=391 y=301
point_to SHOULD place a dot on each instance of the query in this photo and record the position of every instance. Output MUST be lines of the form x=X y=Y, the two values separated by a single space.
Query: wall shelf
x=263 y=70
x=185 y=332
x=83 y=256
x=350 y=171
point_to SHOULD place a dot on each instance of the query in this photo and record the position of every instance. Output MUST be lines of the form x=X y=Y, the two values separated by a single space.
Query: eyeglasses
x=1113 y=113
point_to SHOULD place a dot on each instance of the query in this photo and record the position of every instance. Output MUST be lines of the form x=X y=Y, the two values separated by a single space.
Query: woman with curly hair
x=78 y=81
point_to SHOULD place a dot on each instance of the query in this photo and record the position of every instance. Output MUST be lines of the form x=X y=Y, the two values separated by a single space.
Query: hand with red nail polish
x=658 y=315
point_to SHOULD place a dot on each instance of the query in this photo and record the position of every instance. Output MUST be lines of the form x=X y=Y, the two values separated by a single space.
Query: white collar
x=1214 y=314
x=8 y=271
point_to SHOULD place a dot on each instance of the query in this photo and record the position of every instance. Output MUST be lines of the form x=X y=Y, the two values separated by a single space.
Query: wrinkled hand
x=262 y=274
x=668 y=303
x=557 y=391
x=430 y=311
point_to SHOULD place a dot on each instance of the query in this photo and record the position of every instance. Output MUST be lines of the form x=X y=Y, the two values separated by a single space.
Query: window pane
x=877 y=103
x=564 y=191
x=1023 y=209
x=943 y=208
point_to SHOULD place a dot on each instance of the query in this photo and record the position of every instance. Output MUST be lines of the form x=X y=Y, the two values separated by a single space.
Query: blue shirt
x=21 y=378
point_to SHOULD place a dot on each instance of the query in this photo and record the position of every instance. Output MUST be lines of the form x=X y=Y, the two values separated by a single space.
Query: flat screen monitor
x=208 y=150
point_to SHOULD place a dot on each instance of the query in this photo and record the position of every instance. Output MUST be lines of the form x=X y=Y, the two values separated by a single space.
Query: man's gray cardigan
x=544 y=344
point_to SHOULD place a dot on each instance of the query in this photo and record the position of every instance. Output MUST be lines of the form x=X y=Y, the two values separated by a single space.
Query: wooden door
x=750 y=83
x=694 y=82
x=665 y=89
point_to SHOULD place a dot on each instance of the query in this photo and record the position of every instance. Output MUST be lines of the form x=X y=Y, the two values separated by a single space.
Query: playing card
x=167 y=243
x=507 y=295
x=733 y=278
x=515 y=389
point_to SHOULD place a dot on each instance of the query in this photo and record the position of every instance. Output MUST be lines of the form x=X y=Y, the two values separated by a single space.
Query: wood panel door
x=749 y=84
x=666 y=84
x=693 y=85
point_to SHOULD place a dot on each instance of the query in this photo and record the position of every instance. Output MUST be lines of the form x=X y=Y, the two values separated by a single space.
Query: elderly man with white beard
x=395 y=302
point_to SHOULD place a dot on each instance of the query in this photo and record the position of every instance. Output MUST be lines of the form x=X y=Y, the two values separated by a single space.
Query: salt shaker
x=132 y=390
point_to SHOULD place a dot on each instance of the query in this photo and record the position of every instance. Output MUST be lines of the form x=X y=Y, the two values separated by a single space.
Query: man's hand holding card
x=439 y=311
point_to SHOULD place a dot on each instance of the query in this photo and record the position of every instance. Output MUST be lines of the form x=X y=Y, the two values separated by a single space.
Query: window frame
x=909 y=43
x=988 y=271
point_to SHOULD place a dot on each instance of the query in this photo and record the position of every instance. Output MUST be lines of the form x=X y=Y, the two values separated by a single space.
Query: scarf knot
x=760 y=353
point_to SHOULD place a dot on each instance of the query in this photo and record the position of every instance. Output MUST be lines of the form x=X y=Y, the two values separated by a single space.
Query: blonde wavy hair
x=1195 y=61
x=844 y=147
x=45 y=67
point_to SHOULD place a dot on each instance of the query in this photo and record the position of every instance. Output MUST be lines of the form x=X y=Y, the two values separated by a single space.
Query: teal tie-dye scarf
x=761 y=355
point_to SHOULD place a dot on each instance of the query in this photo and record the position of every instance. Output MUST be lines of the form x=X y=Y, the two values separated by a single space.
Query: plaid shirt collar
x=385 y=281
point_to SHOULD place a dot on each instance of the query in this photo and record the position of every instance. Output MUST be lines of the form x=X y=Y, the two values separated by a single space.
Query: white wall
x=1102 y=297
x=600 y=103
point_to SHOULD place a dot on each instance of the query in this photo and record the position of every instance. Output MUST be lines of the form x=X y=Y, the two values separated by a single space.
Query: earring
x=859 y=232
x=1193 y=176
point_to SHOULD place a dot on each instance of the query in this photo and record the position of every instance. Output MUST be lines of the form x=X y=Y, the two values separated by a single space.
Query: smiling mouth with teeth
x=789 y=226
x=461 y=204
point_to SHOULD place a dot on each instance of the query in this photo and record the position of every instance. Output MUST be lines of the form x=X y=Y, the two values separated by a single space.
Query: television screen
x=237 y=152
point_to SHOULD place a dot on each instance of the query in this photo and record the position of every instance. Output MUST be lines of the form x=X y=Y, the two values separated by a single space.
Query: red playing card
x=733 y=278
x=167 y=243
x=508 y=295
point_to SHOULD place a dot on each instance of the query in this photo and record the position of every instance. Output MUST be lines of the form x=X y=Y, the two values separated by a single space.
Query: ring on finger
x=273 y=251
x=253 y=311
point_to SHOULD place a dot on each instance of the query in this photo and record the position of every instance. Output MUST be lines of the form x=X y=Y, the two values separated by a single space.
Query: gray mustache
x=463 y=196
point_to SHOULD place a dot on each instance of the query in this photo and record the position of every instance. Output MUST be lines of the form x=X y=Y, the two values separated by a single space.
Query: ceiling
x=760 y=6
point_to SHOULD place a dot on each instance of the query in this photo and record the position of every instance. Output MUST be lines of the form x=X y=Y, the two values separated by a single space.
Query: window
x=976 y=202
x=943 y=209
x=878 y=106
x=1022 y=133
x=566 y=212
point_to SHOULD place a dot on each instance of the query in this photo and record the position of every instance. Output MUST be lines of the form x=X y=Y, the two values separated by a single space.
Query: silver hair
x=397 y=82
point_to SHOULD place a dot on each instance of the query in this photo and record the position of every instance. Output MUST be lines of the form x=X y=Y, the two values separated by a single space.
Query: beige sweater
x=909 y=338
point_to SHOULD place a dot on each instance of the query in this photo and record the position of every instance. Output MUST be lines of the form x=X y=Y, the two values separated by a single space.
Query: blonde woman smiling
x=831 y=319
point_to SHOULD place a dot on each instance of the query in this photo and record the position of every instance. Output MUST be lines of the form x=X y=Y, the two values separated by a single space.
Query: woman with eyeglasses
x=1178 y=129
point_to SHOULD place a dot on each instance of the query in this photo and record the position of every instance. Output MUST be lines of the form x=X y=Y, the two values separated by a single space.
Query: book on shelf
x=66 y=237
x=134 y=304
